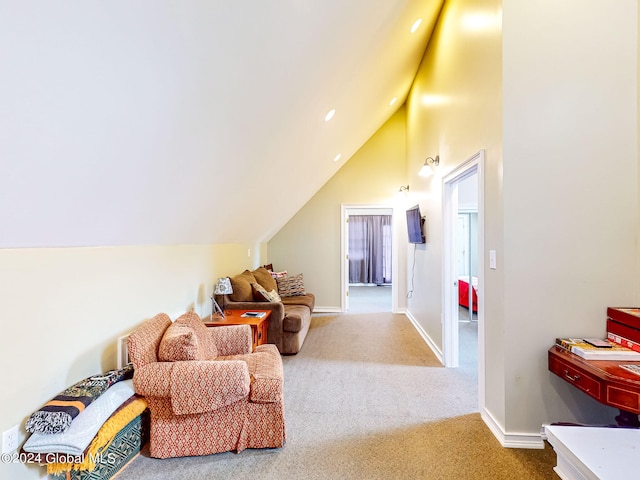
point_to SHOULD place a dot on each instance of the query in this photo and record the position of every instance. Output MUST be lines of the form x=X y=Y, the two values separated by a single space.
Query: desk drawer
x=622 y=398
x=576 y=377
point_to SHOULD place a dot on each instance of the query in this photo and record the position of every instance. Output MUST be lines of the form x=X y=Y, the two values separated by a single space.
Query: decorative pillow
x=278 y=275
x=291 y=286
x=273 y=296
x=242 y=287
x=264 y=278
x=259 y=293
x=206 y=344
x=179 y=343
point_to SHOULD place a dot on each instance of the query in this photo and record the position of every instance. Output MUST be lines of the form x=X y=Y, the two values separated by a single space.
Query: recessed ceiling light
x=337 y=157
x=329 y=115
x=393 y=100
x=416 y=25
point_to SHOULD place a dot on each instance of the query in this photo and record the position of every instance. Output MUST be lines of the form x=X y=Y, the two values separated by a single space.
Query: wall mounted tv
x=414 y=225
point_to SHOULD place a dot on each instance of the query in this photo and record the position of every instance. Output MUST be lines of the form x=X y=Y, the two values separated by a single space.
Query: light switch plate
x=492 y=260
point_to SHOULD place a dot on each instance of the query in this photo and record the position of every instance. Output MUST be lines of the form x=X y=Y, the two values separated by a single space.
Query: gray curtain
x=370 y=249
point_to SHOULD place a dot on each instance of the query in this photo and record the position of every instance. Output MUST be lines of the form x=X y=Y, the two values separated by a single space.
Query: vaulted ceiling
x=191 y=122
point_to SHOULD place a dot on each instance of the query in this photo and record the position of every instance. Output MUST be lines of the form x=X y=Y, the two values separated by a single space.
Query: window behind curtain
x=370 y=249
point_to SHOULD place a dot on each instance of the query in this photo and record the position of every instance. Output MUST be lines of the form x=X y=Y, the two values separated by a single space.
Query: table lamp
x=223 y=287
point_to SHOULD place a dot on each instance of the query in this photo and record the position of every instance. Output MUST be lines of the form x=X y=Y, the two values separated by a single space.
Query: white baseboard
x=327 y=310
x=511 y=440
x=431 y=344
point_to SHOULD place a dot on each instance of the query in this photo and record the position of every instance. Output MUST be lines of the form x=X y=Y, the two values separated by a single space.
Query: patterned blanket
x=56 y=415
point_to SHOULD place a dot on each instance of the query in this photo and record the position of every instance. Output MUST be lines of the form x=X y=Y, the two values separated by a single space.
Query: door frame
x=473 y=165
x=344 y=251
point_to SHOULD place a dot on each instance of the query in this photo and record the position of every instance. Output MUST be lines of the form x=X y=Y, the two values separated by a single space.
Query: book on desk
x=588 y=351
x=253 y=314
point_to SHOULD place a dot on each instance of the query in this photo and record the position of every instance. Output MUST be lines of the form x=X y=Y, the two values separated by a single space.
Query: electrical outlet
x=10 y=440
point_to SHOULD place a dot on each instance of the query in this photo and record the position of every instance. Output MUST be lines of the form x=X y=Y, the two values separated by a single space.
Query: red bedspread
x=463 y=293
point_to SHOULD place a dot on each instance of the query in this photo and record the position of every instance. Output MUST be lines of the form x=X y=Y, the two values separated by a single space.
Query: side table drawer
x=578 y=378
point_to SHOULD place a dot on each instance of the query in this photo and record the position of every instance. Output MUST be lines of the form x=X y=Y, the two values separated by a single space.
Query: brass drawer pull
x=571 y=378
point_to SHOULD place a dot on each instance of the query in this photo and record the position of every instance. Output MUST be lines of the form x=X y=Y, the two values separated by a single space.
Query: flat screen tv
x=414 y=225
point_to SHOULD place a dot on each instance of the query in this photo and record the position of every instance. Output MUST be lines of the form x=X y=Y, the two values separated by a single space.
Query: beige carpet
x=366 y=399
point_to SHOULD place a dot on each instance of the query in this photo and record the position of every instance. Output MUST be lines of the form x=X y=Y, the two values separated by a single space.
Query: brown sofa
x=290 y=316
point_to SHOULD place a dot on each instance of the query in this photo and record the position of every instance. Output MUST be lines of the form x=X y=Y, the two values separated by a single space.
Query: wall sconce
x=429 y=166
x=404 y=188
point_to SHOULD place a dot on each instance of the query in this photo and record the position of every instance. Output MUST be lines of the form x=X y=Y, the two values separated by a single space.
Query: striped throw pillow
x=291 y=286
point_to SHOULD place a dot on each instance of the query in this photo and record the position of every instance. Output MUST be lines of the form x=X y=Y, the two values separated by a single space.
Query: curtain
x=370 y=249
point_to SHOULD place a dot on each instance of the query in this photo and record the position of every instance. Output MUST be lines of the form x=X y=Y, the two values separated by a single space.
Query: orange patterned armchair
x=207 y=393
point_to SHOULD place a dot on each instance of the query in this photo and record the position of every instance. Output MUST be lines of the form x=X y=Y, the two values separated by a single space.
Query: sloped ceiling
x=189 y=122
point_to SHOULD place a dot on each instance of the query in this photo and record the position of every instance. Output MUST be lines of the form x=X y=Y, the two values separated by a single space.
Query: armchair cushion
x=199 y=387
x=179 y=343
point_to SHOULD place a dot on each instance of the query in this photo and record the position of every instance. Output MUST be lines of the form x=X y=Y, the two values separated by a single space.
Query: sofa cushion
x=265 y=279
x=308 y=300
x=291 y=286
x=208 y=349
x=241 y=285
x=179 y=343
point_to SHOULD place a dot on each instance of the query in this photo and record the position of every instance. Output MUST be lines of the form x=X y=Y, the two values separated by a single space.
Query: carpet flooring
x=366 y=399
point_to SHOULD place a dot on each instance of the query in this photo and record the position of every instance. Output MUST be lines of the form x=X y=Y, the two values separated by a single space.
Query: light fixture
x=393 y=100
x=404 y=188
x=337 y=157
x=416 y=25
x=329 y=115
x=429 y=166
x=223 y=287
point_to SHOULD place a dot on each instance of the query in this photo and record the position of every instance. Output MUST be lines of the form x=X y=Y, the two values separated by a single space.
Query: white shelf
x=595 y=453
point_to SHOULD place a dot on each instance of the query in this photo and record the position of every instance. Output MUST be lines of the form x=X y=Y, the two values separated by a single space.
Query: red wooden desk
x=603 y=380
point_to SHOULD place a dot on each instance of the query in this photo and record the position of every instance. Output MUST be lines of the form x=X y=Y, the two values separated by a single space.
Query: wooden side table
x=259 y=325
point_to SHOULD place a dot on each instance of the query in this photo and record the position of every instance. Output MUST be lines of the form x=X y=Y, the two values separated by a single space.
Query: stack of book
x=597 y=349
x=623 y=327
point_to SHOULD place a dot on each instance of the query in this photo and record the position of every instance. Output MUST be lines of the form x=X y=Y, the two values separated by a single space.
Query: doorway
x=463 y=269
x=369 y=280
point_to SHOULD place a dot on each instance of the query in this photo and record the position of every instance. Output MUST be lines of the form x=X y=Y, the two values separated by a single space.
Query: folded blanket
x=56 y=415
x=84 y=427
x=116 y=422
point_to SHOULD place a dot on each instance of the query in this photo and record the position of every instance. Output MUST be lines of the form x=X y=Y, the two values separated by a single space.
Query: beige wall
x=63 y=309
x=310 y=242
x=570 y=191
x=454 y=110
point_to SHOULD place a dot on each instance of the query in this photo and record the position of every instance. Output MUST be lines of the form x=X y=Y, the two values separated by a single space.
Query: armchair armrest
x=194 y=386
x=203 y=386
x=153 y=379
x=232 y=339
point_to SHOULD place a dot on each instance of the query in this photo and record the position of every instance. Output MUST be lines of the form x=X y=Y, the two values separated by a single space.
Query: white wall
x=454 y=110
x=63 y=309
x=570 y=191
x=310 y=242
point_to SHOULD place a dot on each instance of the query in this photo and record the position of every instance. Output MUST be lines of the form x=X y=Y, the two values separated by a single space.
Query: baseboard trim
x=327 y=310
x=421 y=331
x=531 y=441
